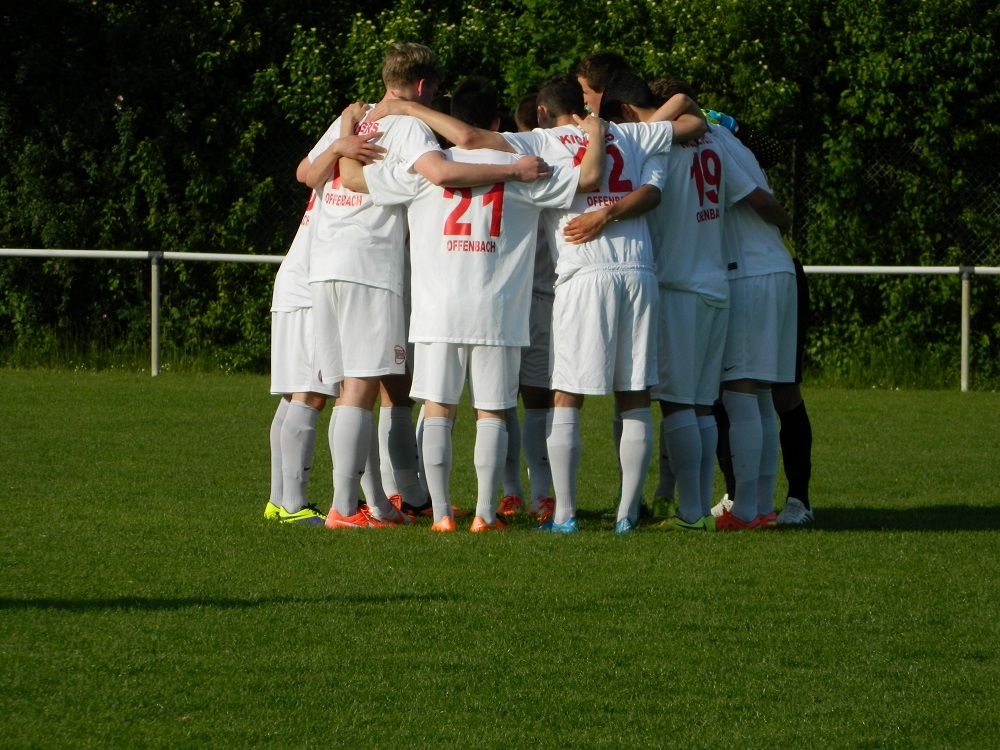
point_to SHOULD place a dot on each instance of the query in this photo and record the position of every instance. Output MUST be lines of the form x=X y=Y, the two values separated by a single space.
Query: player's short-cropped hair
x=406 y=63
x=625 y=88
x=526 y=114
x=597 y=69
x=667 y=87
x=561 y=95
x=475 y=102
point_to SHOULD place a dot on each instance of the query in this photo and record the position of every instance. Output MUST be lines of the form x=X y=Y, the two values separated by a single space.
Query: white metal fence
x=156 y=260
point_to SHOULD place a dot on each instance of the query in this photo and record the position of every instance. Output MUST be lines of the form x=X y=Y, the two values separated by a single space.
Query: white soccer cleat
x=795 y=513
x=722 y=506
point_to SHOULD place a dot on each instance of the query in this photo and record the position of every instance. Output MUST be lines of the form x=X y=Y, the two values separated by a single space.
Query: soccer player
x=471 y=286
x=357 y=267
x=702 y=185
x=594 y=72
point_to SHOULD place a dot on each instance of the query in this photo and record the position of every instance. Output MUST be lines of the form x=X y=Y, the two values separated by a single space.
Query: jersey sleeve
x=651 y=137
x=525 y=144
x=391 y=184
x=559 y=190
x=412 y=139
x=332 y=133
x=654 y=171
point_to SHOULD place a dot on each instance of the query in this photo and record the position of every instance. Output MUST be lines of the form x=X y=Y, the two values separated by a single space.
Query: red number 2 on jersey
x=454 y=226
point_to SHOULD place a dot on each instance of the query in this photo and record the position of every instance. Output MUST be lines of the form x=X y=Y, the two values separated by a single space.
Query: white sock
x=512 y=460
x=490 y=456
x=709 y=429
x=768 y=478
x=298 y=445
x=385 y=465
x=371 y=480
x=421 y=474
x=275 y=438
x=404 y=461
x=436 y=451
x=680 y=432
x=616 y=432
x=745 y=445
x=565 y=449
x=635 y=454
x=350 y=441
x=536 y=455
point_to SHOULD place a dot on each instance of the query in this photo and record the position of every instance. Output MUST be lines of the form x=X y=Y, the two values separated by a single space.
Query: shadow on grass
x=159 y=604
x=930 y=518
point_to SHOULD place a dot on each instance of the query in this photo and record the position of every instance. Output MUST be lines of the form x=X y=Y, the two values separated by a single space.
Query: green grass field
x=144 y=601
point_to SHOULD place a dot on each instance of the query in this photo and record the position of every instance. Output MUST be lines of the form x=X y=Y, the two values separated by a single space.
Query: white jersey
x=291 y=285
x=623 y=242
x=702 y=184
x=355 y=239
x=752 y=247
x=471 y=249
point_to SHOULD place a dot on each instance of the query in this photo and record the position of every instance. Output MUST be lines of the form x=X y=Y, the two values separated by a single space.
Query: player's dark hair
x=475 y=102
x=561 y=95
x=625 y=88
x=666 y=87
x=526 y=114
x=408 y=63
x=597 y=69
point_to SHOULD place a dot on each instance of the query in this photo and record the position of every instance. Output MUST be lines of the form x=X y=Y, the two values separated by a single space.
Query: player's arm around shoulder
x=592 y=164
x=361 y=148
x=769 y=209
x=688 y=120
x=441 y=171
x=461 y=134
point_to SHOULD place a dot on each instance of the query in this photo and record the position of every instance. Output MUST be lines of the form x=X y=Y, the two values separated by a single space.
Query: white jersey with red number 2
x=356 y=240
x=627 y=146
x=471 y=249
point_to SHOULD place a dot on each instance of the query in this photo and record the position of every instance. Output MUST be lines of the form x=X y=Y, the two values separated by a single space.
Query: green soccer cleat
x=676 y=523
x=271 y=511
x=309 y=514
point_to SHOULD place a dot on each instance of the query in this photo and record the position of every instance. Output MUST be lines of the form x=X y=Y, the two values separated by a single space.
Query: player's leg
x=513 y=489
x=564 y=444
x=635 y=452
x=398 y=442
x=298 y=446
x=274 y=501
x=537 y=402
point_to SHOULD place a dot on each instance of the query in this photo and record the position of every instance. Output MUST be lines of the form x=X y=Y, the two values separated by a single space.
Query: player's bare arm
x=688 y=119
x=461 y=134
x=362 y=148
x=586 y=227
x=769 y=209
x=592 y=165
x=436 y=168
x=352 y=175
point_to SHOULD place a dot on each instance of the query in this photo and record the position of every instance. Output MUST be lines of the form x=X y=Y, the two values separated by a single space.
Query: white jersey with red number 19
x=752 y=246
x=628 y=146
x=702 y=183
x=291 y=284
x=355 y=239
x=471 y=249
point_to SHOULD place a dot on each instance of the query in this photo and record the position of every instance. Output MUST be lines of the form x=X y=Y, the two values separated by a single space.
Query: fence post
x=155 y=261
x=967 y=272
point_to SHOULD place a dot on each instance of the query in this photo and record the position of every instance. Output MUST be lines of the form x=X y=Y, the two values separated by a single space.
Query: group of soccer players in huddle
x=621 y=241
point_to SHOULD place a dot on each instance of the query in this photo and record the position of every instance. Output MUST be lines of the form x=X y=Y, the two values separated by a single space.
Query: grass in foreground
x=145 y=602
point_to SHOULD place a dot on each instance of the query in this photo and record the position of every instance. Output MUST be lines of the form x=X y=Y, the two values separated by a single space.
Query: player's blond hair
x=406 y=63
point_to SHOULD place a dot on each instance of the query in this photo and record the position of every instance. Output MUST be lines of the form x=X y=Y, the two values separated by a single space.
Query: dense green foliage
x=179 y=126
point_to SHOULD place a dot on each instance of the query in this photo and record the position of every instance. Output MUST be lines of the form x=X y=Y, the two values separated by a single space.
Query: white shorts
x=292 y=346
x=762 y=329
x=535 y=357
x=603 y=330
x=440 y=370
x=359 y=331
x=691 y=336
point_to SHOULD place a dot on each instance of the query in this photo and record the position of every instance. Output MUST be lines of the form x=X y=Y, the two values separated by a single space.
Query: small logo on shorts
x=727 y=369
x=400 y=355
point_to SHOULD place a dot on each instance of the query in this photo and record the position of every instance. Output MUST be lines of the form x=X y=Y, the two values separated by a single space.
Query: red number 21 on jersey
x=454 y=226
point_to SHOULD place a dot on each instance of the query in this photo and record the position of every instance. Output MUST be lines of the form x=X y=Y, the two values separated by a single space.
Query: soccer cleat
x=676 y=523
x=479 y=525
x=396 y=517
x=426 y=510
x=362 y=519
x=663 y=507
x=546 y=507
x=459 y=513
x=445 y=525
x=624 y=526
x=271 y=511
x=728 y=522
x=567 y=527
x=510 y=505
x=769 y=521
x=309 y=514
x=723 y=506
x=795 y=513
